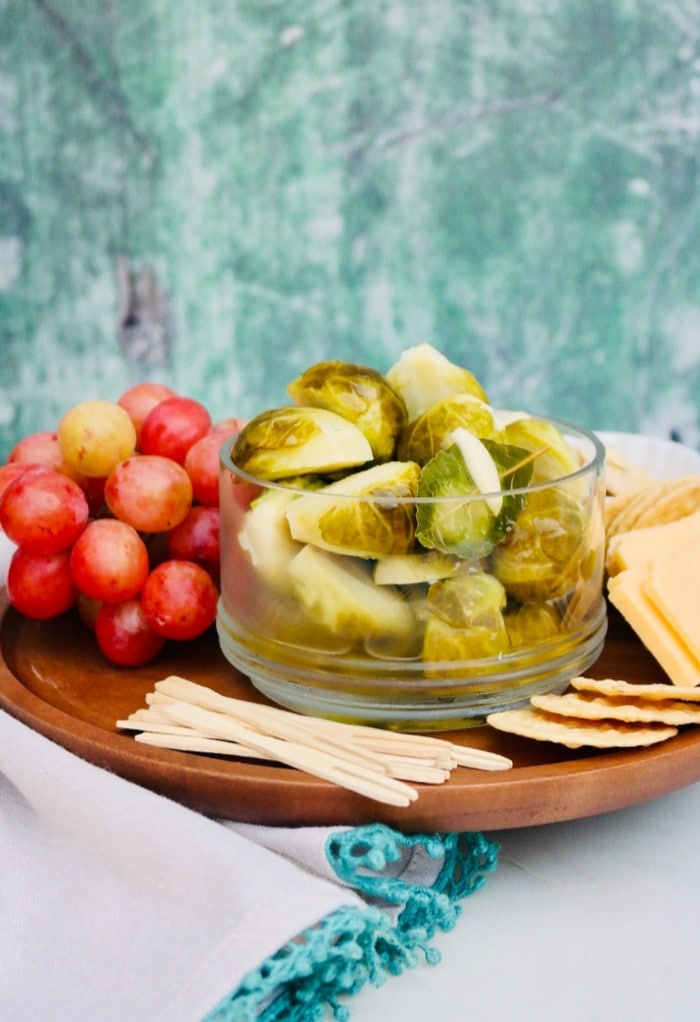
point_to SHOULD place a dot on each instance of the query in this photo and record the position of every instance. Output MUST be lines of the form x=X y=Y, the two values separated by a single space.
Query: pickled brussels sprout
x=423 y=376
x=285 y=442
x=266 y=538
x=470 y=527
x=339 y=594
x=366 y=514
x=515 y=474
x=465 y=527
x=529 y=624
x=361 y=395
x=416 y=569
x=431 y=432
x=473 y=598
x=466 y=618
x=540 y=557
x=555 y=459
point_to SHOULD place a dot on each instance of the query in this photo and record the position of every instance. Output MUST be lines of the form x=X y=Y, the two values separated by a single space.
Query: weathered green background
x=516 y=182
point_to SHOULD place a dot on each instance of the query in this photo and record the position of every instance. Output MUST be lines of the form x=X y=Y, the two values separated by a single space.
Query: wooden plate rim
x=242 y=791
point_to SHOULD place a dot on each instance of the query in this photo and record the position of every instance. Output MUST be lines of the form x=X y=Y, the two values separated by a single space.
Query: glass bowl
x=432 y=641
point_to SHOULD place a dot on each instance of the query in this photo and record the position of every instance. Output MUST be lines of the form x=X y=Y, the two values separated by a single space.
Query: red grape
x=42 y=449
x=173 y=426
x=94 y=490
x=231 y=424
x=196 y=539
x=87 y=609
x=109 y=561
x=43 y=511
x=179 y=599
x=141 y=399
x=124 y=636
x=13 y=470
x=41 y=586
x=202 y=466
x=151 y=493
x=117 y=514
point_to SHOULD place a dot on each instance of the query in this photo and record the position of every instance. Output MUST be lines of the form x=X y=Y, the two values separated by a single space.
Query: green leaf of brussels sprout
x=456 y=520
x=469 y=527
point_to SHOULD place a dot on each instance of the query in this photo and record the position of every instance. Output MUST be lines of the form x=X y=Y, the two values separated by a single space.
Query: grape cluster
x=116 y=513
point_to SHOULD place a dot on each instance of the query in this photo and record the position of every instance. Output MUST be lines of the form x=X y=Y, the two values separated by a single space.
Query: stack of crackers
x=659 y=502
x=653 y=568
x=604 y=714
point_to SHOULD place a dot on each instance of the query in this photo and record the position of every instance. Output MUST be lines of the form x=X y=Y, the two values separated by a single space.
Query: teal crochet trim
x=353 y=946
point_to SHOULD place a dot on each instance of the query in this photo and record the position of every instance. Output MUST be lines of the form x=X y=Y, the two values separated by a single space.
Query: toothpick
x=358 y=778
x=183 y=715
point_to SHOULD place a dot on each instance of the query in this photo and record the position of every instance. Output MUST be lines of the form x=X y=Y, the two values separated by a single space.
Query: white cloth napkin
x=117 y=903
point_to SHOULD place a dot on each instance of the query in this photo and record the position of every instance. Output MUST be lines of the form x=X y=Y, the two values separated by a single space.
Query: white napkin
x=117 y=903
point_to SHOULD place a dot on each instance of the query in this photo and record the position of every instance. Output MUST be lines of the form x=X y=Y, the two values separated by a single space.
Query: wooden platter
x=54 y=679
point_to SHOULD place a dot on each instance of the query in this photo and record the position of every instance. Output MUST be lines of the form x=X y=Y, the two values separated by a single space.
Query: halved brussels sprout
x=466 y=620
x=469 y=527
x=416 y=569
x=423 y=376
x=431 y=432
x=515 y=473
x=366 y=514
x=456 y=520
x=339 y=594
x=266 y=538
x=531 y=623
x=291 y=441
x=539 y=559
x=556 y=457
x=472 y=598
x=358 y=393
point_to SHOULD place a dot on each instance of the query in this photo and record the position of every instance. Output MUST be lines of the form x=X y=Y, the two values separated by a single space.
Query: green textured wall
x=516 y=182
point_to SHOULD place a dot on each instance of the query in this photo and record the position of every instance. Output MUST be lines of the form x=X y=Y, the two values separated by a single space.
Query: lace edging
x=353 y=946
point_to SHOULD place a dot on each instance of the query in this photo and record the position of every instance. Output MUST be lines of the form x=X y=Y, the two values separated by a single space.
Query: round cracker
x=529 y=722
x=644 y=501
x=622 y=477
x=656 y=690
x=680 y=498
x=665 y=500
x=618 y=506
x=587 y=706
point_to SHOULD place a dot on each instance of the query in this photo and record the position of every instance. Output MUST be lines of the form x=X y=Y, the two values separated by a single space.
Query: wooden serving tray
x=54 y=679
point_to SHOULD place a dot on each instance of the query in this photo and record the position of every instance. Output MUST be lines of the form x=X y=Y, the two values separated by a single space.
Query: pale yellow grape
x=95 y=436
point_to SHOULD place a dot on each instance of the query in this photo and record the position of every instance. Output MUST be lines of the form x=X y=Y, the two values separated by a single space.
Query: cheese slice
x=673 y=586
x=640 y=546
x=627 y=592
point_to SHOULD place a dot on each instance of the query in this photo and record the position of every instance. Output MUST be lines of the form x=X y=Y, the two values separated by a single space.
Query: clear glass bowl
x=392 y=653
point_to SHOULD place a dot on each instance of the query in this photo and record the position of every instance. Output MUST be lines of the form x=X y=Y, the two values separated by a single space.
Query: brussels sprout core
x=481 y=467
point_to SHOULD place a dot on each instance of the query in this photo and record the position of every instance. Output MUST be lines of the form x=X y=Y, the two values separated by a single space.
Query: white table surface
x=582 y=921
